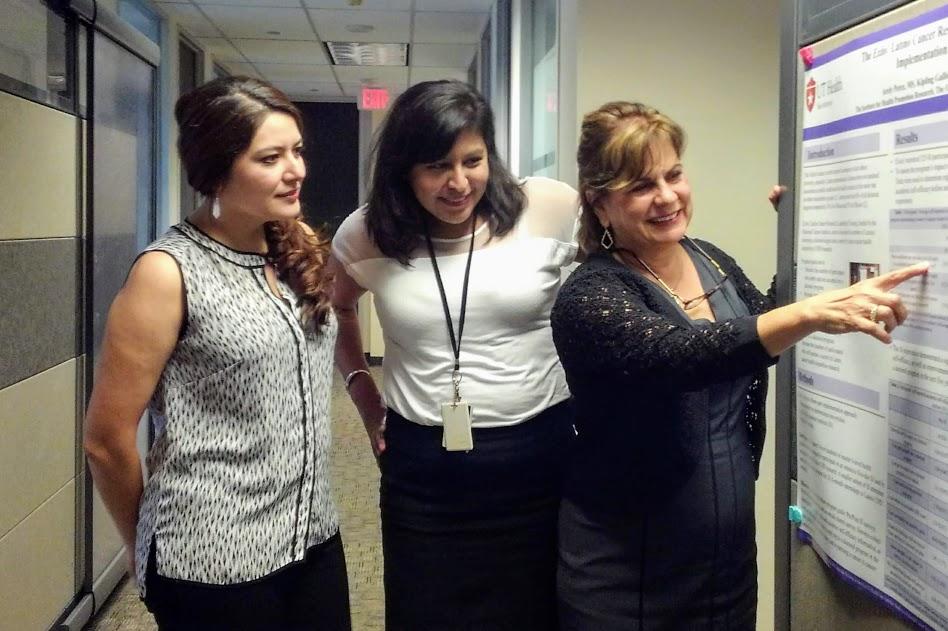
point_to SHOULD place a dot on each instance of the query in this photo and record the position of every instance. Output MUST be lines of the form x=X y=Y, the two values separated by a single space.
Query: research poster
x=872 y=419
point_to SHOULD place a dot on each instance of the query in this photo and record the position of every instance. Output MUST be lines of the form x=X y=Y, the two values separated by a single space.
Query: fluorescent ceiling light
x=367 y=54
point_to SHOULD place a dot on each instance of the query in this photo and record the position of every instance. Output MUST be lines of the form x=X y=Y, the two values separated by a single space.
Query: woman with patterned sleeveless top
x=224 y=332
x=463 y=262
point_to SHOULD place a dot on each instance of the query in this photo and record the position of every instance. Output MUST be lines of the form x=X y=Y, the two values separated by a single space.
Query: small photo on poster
x=862 y=271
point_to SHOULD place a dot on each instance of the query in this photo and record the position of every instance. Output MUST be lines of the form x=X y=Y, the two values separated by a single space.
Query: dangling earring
x=216 y=208
x=606 y=241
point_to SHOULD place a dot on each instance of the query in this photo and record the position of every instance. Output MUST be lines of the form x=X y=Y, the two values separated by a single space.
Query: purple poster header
x=877 y=36
x=899 y=112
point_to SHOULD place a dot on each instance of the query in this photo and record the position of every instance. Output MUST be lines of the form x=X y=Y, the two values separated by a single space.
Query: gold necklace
x=671 y=292
x=684 y=304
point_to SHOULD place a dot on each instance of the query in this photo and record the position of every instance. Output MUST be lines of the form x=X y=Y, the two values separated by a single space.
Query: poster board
x=872 y=420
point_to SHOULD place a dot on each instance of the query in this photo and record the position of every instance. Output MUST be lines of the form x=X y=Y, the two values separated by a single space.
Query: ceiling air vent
x=366 y=54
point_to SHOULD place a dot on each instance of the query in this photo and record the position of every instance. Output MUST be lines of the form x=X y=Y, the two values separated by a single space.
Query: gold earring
x=606 y=241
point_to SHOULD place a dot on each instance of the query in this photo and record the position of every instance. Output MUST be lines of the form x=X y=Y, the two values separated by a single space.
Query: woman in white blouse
x=473 y=429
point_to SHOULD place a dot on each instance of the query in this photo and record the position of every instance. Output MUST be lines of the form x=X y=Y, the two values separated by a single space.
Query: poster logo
x=810 y=94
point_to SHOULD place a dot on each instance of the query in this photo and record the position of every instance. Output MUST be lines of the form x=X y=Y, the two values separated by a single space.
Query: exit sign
x=373 y=99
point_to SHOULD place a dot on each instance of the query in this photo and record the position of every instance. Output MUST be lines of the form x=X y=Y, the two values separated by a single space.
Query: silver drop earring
x=216 y=208
x=606 y=241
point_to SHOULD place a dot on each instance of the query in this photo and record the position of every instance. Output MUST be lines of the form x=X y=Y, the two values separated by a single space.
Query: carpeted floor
x=356 y=484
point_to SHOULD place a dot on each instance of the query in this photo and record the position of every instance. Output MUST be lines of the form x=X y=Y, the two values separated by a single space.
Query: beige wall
x=713 y=67
x=39 y=224
x=372 y=340
x=38 y=178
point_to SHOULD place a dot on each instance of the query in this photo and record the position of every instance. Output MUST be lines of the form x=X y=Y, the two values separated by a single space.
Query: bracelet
x=355 y=373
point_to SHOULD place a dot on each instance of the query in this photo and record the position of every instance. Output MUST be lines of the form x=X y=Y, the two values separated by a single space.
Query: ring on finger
x=874 y=313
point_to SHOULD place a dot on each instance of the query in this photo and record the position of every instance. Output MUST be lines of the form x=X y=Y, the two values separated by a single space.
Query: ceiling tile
x=191 y=19
x=303 y=98
x=440 y=55
x=221 y=49
x=383 y=76
x=367 y=5
x=238 y=68
x=294 y=4
x=261 y=22
x=387 y=26
x=435 y=74
x=295 y=72
x=273 y=51
x=352 y=89
x=470 y=6
x=449 y=28
x=309 y=89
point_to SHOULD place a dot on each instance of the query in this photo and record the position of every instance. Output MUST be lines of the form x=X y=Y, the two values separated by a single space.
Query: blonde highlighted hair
x=614 y=151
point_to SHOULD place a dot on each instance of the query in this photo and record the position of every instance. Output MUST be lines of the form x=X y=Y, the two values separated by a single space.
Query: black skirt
x=469 y=538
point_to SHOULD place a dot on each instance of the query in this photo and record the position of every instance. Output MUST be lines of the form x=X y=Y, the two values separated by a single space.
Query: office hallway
x=355 y=482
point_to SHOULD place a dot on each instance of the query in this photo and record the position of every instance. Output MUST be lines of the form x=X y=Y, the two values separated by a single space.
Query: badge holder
x=456 y=417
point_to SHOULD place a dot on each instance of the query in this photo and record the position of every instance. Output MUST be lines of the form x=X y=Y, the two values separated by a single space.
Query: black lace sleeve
x=609 y=320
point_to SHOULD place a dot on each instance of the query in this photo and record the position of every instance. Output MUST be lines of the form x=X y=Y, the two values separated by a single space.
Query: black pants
x=312 y=595
x=469 y=539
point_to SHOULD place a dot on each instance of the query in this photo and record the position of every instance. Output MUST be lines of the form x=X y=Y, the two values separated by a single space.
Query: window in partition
x=187 y=80
x=36 y=53
x=539 y=89
x=484 y=80
x=138 y=14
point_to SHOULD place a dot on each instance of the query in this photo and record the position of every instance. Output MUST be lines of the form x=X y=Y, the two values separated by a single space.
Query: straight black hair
x=422 y=126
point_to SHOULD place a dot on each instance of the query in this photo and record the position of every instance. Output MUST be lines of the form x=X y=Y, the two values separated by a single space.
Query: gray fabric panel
x=39 y=306
x=821 y=18
x=821 y=600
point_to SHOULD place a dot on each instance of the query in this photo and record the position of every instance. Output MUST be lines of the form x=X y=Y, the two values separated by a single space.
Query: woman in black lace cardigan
x=666 y=345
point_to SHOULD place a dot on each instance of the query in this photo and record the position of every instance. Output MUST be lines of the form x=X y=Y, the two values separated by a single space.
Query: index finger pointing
x=899 y=276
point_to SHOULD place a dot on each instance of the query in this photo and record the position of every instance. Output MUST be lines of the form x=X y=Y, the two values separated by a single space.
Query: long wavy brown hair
x=216 y=123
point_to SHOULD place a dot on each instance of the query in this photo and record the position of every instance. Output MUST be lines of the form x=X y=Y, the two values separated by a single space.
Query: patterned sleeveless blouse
x=239 y=468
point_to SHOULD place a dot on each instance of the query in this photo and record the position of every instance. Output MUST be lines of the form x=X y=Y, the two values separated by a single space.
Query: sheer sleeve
x=552 y=209
x=351 y=245
x=606 y=324
x=345 y=243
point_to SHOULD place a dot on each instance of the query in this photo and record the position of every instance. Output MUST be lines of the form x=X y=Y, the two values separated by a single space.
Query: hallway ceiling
x=281 y=41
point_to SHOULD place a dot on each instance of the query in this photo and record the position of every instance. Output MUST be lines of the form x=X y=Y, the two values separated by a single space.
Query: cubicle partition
x=77 y=201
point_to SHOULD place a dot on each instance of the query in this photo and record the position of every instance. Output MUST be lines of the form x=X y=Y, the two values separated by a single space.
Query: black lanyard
x=455 y=343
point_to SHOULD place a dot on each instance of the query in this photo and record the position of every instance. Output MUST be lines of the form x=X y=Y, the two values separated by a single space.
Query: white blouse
x=510 y=371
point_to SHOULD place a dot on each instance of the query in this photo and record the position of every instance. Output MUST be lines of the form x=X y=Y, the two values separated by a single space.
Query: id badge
x=457 y=426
